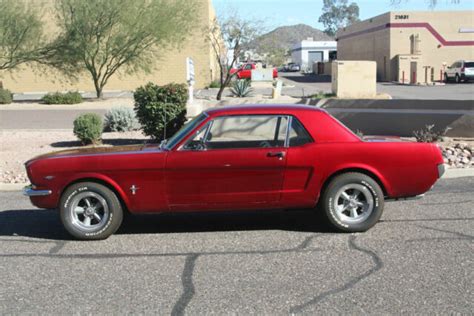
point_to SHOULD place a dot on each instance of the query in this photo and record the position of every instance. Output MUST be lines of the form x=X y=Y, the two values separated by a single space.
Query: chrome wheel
x=353 y=203
x=89 y=211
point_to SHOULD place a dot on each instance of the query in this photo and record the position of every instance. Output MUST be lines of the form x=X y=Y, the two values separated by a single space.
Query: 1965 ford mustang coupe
x=236 y=158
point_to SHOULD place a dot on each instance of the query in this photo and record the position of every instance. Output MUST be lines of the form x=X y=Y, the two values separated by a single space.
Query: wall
x=346 y=73
x=386 y=36
x=170 y=67
x=439 y=38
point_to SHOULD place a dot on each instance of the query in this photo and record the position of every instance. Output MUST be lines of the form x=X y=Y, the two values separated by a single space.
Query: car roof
x=263 y=109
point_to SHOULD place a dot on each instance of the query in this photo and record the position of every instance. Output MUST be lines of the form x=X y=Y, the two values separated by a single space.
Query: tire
x=457 y=79
x=446 y=79
x=353 y=202
x=90 y=211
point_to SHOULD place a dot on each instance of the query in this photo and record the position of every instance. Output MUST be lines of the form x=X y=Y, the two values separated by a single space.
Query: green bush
x=215 y=84
x=6 y=97
x=120 y=119
x=159 y=108
x=241 y=88
x=88 y=128
x=62 y=98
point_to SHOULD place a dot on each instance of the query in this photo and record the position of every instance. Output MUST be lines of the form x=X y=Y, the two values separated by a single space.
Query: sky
x=276 y=13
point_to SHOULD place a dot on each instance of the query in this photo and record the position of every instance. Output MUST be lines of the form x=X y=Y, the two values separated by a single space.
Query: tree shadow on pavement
x=46 y=224
x=307 y=78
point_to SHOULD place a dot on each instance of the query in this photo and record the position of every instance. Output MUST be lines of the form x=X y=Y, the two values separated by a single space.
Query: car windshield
x=188 y=127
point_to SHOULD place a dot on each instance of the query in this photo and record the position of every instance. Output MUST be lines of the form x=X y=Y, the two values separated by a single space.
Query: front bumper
x=31 y=191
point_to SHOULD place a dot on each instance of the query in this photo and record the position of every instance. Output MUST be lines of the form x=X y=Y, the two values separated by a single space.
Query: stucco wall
x=354 y=79
x=384 y=37
x=170 y=67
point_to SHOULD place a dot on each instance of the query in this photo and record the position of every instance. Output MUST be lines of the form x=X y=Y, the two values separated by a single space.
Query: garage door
x=314 y=57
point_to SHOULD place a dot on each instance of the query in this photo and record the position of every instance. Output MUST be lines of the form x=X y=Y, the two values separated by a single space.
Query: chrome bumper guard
x=29 y=191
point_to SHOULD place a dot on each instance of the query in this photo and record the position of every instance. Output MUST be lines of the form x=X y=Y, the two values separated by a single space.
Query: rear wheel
x=353 y=202
x=90 y=211
x=457 y=79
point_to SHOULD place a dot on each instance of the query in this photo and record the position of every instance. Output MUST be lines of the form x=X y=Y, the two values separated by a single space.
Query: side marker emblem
x=134 y=189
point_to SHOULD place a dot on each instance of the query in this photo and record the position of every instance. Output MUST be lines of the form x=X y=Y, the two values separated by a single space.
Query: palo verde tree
x=338 y=14
x=230 y=34
x=21 y=34
x=105 y=37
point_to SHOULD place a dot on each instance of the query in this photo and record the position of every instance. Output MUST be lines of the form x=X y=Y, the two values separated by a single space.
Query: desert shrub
x=241 y=88
x=161 y=110
x=429 y=135
x=215 y=84
x=62 y=98
x=88 y=128
x=6 y=96
x=120 y=119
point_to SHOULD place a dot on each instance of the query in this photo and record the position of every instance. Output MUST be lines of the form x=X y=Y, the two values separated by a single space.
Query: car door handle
x=279 y=155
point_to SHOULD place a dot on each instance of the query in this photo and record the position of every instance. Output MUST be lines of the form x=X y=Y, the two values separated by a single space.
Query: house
x=309 y=51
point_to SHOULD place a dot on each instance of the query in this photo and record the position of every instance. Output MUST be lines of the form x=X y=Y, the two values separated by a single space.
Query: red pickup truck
x=245 y=71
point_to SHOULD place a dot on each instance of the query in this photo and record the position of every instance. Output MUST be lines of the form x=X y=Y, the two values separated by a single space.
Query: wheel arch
x=368 y=172
x=105 y=181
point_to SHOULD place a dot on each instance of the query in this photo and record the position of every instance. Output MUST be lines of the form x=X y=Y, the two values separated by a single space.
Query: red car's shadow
x=46 y=224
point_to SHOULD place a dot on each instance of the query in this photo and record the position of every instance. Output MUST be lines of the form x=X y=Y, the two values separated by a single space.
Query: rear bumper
x=441 y=170
x=467 y=77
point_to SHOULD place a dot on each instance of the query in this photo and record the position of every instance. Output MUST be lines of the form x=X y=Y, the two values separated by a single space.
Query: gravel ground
x=18 y=146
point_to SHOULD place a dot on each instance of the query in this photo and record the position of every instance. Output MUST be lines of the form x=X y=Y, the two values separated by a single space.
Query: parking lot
x=299 y=85
x=417 y=259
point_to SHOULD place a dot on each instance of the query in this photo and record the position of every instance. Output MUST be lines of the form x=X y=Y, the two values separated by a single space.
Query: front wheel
x=90 y=211
x=353 y=202
x=446 y=79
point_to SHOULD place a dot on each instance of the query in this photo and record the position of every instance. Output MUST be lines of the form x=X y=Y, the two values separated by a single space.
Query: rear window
x=469 y=65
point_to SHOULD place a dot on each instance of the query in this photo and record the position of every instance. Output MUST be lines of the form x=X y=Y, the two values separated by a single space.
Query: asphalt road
x=417 y=260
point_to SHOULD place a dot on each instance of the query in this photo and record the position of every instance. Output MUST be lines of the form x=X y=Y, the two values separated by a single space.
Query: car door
x=246 y=72
x=234 y=161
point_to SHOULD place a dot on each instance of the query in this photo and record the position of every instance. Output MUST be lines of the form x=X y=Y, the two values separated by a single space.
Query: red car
x=236 y=158
x=245 y=72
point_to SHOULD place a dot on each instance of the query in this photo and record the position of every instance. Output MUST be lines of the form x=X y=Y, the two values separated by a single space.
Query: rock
x=465 y=160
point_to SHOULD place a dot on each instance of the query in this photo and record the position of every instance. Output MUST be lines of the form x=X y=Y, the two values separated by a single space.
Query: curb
x=449 y=174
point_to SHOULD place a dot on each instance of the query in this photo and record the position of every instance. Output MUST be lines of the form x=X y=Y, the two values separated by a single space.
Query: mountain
x=285 y=37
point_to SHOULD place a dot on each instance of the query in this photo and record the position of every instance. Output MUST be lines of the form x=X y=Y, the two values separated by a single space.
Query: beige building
x=171 y=67
x=412 y=46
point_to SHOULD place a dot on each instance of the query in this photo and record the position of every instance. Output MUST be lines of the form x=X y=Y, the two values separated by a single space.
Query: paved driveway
x=304 y=85
x=418 y=259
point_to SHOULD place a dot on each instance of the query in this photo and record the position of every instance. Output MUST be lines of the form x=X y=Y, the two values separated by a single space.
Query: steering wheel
x=265 y=144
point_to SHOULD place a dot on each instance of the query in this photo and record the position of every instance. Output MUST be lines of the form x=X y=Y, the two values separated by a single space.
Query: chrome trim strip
x=30 y=192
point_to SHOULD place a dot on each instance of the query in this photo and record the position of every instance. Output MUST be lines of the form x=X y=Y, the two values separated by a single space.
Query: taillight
x=463 y=68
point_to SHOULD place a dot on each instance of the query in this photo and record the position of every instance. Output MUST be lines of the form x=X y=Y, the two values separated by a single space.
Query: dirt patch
x=18 y=146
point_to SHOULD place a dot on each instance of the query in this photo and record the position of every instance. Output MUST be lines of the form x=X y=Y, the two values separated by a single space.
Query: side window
x=249 y=131
x=197 y=141
x=298 y=134
x=248 y=67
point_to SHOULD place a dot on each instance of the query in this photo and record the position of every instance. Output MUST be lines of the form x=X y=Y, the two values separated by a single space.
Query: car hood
x=97 y=151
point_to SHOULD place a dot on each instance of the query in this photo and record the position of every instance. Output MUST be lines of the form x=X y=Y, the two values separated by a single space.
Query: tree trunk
x=219 y=94
x=98 y=89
